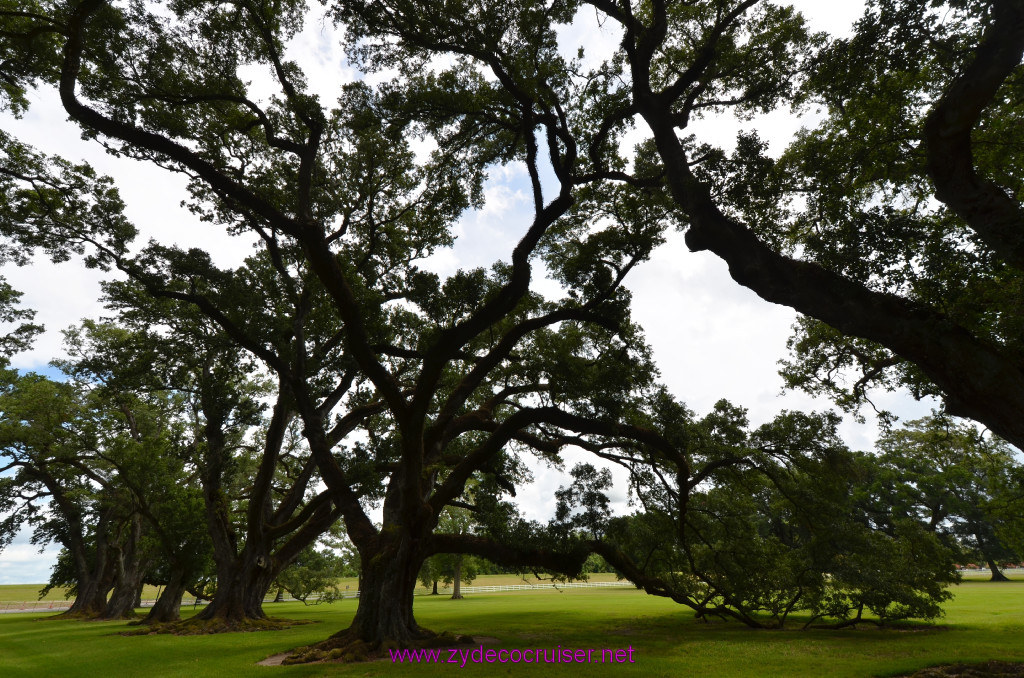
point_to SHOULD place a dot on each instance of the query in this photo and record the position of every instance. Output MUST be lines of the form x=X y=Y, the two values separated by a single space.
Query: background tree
x=957 y=482
x=68 y=448
x=768 y=522
x=454 y=568
x=337 y=540
x=237 y=455
x=430 y=574
x=313 y=572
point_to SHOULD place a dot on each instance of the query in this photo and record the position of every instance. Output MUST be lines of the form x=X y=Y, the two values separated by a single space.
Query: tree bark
x=93 y=572
x=241 y=588
x=91 y=600
x=986 y=206
x=168 y=606
x=997 y=574
x=95 y=576
x=457 y=579
x=122 y=601
x=386 y=593
x=129 y=571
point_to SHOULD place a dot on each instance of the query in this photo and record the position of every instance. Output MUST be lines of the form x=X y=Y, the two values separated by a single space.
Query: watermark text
x=463 y=656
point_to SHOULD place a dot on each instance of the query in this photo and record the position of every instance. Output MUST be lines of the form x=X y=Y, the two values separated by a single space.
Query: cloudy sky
x=712 y=339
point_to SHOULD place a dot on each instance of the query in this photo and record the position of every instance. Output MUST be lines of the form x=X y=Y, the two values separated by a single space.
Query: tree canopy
x=895 y=222
x=960 y=484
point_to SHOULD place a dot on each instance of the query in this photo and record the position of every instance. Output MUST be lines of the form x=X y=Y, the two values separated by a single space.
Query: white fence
x=470 y=589
x=494 y=589
x=535 y=587
x=35 y=606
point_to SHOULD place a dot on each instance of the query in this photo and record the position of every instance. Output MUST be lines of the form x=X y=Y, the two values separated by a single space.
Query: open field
x=985 y=621
x=1016 y=574
x=30 y=592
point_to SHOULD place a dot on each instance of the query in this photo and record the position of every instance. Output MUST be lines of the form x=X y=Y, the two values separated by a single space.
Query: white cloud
x=22 y=562
x=836 y=18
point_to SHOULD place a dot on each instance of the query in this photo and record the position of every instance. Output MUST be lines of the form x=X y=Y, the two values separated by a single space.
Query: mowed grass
x=984 y=621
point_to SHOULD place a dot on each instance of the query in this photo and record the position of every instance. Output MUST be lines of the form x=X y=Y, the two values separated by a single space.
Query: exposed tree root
x=348 y=646
x=199 y=627
x=124 y=617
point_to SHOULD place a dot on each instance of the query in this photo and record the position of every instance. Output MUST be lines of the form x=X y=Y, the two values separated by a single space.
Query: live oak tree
x=80 y=462
x=444 y=380
x=187 y=482
x=934 y=126
x=772 y=521
x=104 y=466
x=407 y=386
x=256 y=481
x=958 y=483
x=123 y=369
x=37 y=442
x=16 y=339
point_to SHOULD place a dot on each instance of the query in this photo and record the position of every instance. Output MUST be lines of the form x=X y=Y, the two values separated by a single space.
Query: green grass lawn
x=984 y=621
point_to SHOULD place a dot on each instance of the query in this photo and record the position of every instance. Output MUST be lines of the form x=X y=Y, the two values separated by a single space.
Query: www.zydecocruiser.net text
x=461 y=657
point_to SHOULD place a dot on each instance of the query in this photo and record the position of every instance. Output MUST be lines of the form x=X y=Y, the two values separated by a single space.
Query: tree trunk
x=434 y=592
x=122 y=601
x=168 y=606
x=457 y=579
x=384 y=614
x=942 y=350
x=129 y=572
x=94 y=583
x=91 y=600
x=279 y=598
x=997 y=574
x=385 y=600
x=244 y=577
x=241 y=589
x=94 y=571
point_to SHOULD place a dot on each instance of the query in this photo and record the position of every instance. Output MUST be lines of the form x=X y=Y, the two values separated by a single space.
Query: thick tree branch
x=92 y=119
x=569 y=562
x=978 y=381
x=983 y=204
